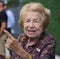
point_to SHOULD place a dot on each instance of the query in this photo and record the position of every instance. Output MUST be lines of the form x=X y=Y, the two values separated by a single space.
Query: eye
x=36 y=21
x=27 y=20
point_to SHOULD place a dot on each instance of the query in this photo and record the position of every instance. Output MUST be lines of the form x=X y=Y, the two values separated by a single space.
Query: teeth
x=32 y=30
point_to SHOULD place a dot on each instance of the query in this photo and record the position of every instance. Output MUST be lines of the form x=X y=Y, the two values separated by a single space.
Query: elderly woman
x=34 y=43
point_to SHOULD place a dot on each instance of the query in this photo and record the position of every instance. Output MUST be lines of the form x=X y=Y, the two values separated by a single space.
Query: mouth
x=31 y=32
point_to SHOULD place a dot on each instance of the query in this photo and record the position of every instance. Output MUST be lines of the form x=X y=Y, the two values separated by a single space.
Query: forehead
x=33 y=14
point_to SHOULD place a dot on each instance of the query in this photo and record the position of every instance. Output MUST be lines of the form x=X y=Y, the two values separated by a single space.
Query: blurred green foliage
x=13 y=3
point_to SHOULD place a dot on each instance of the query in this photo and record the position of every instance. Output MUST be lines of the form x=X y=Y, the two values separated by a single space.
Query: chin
x=32 y=36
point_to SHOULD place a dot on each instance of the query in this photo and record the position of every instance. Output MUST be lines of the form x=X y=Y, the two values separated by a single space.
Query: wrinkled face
x=33 y=24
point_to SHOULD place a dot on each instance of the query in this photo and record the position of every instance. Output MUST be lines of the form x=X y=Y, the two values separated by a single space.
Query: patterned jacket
x=44 y=48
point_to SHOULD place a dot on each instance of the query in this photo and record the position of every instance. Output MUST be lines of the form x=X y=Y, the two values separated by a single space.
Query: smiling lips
x=31 y=32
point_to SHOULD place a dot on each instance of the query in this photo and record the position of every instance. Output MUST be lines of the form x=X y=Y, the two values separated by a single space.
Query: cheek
x=38 y=26
x=40 y=29
x=25 y=27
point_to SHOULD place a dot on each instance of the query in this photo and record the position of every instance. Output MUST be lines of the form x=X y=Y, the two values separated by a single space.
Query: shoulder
x=9 y=11
x=49 y=39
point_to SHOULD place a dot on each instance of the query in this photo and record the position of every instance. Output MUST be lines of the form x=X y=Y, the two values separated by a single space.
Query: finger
x=8 y=34
x=11 y=46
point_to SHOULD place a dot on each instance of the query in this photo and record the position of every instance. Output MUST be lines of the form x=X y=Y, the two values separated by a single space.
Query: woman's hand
x=13 y=45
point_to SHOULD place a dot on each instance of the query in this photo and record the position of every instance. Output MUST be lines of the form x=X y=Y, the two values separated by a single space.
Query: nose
x=31 y=25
